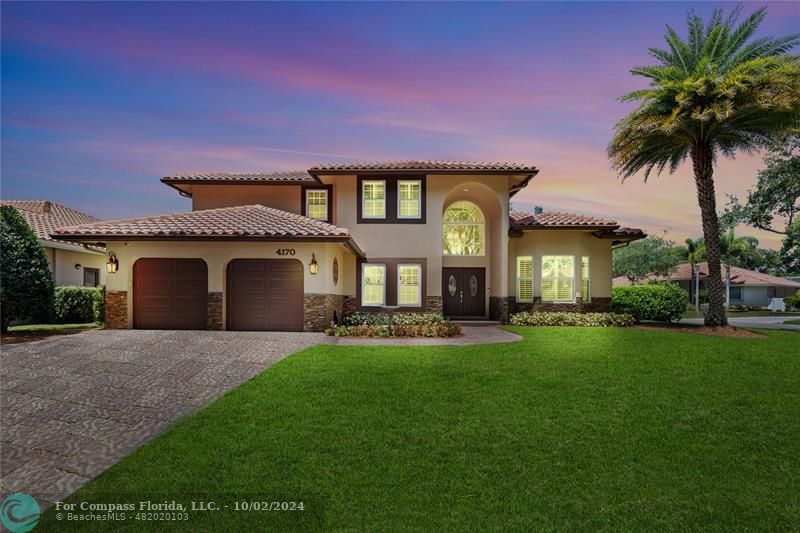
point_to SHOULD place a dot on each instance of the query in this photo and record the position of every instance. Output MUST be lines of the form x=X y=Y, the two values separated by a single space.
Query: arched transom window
x=464 y=231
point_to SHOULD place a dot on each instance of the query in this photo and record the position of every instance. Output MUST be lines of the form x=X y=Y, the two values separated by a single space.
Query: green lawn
x=572 y=429
x=795 y=322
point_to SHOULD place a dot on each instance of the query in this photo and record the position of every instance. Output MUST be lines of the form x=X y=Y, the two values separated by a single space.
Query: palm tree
x=693 y=255
x=716 y=92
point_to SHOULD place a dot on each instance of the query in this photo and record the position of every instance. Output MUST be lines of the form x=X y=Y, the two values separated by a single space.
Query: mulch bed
x=728 y=331
x=16 y=337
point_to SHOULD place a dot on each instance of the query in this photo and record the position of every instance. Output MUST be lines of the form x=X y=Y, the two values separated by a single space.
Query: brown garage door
x=170 y=294
x=265 y=295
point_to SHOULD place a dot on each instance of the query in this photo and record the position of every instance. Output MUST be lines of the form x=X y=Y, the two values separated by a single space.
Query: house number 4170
x=285 y=251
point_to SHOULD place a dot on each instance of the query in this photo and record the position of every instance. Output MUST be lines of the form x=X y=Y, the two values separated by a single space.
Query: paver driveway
x=73 y=406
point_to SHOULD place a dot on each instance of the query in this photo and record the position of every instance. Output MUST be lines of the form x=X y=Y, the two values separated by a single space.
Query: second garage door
x=265 y=295
x=170 y=294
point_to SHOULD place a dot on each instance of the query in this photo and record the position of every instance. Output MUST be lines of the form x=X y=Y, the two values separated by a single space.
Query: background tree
x=776 y=196
x=26 y=285
x=716 y=92
x=693 y=256
x=640 y=259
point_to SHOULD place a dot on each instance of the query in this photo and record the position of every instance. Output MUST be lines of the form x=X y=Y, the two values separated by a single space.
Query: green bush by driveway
x=79 y=304
x=578 y=429
x=664 y=302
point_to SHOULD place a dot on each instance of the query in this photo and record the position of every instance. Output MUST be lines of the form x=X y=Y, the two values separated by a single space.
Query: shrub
x=792 y=302
x=78 y=304
x=572 y=319
x=654 y=301
x=26 y=285
x=442 y=329
x=382 y=319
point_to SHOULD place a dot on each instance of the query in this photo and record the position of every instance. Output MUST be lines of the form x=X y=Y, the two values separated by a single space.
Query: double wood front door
x=464 y=292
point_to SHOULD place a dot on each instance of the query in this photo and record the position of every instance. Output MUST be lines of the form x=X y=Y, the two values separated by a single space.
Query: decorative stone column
x=214 y=320
x=116 y=309
x=433 y=304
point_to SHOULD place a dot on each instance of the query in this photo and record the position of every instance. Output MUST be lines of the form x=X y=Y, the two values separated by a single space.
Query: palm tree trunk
x=703 y=166
x=727 y=286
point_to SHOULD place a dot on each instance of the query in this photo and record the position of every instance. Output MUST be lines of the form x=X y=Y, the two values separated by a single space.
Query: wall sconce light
x=77 y=266
x=313 y=266
x=113 y=264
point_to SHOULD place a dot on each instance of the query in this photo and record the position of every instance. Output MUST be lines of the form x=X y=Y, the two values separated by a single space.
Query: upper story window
x=373 y=198
x=464 y=231
x=558 y=278
x=391 y=200
x=409 y=199
x=317 y=202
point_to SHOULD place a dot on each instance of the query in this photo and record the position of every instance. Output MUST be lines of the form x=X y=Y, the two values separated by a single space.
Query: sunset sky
x=100 y=100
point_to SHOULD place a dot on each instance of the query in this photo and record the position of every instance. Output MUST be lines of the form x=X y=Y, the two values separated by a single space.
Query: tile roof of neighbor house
x=739 y=276
x=44 y=216
x=254 y=222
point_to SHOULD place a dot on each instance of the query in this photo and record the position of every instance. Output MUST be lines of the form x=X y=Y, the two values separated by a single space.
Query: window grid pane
x=525 y=279
x=409 y=288
x=317 y=205
x=373 y=285
x=374 y=199
x=558 y=278
x=409 y=194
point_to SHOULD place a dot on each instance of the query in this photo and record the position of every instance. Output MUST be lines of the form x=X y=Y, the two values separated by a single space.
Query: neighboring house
x=294 y=250
x=70 y=262
x=747 y=287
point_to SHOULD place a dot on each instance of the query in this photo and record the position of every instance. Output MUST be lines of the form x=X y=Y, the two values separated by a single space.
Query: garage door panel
x=170 y=293
x=265 y=295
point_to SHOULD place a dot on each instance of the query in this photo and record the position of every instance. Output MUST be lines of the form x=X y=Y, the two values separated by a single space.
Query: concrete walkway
x=72 y=406
x=765 y=322
x=472 y=335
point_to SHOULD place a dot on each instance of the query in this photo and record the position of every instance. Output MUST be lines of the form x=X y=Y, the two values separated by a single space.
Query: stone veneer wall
x=116 y=309
x=319 y=309
x=501 y=308
x=214 y=320
x=434 y=304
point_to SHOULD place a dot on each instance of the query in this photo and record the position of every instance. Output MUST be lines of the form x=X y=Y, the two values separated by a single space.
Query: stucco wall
x=425 y=240
x=557 y=242
x=284 y=197
x=217 y=255
x=62 y=265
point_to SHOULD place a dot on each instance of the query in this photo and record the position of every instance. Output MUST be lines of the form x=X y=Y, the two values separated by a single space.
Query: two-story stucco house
x=294 y=250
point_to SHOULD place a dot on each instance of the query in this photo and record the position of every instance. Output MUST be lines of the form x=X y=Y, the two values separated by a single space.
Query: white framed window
x=409 y=199
x=317 y=204
x=373 y=199
x=558 y=278
x=525 y=278
x=464 y=229
x=409 y=285
x=586 y=284
x=373 y=284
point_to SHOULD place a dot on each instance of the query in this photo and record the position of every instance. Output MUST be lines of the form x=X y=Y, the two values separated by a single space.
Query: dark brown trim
x=306 y=188
x=391 y=199
x=391 y=282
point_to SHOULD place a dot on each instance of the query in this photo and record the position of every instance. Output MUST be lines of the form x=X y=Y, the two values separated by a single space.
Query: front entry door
x=464 y=292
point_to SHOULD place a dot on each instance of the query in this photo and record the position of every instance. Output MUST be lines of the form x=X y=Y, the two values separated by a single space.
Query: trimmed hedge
x=382 y=319
x=664 y=302
x=74 y=305
x=603 y=320
x=442 y=329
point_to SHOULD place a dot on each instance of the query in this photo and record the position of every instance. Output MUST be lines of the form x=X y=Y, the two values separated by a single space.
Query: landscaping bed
x=394 y=325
